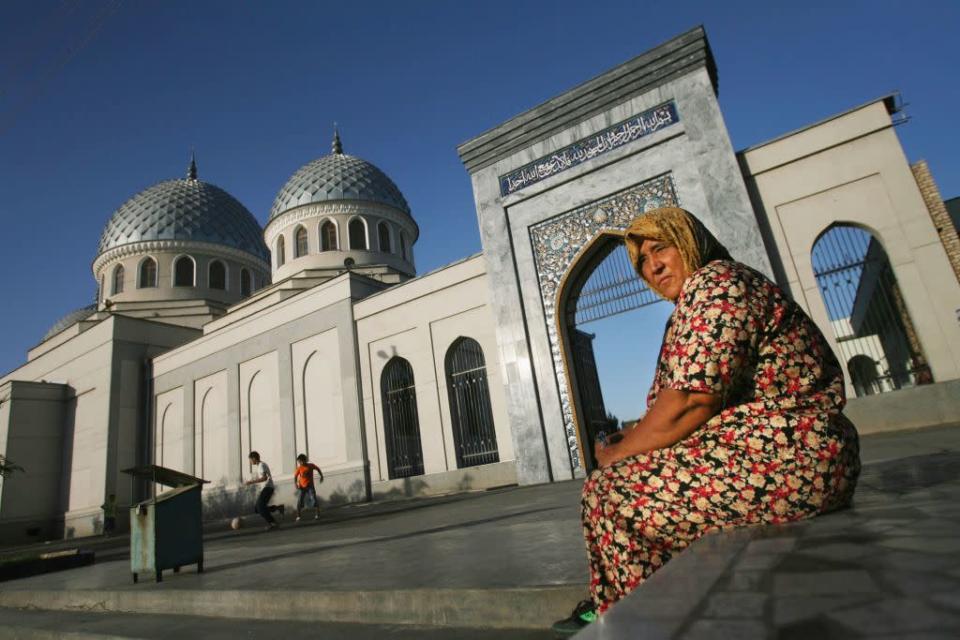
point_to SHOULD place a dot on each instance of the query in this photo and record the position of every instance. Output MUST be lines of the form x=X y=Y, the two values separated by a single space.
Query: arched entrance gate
x=584 y=275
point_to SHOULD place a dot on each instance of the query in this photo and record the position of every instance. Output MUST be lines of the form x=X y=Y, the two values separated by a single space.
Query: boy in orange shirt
x=303 y=480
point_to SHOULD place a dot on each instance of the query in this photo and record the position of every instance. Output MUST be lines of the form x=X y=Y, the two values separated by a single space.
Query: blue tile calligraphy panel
x=633 y=128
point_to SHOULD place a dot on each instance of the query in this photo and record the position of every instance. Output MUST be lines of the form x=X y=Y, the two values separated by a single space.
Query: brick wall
x=938 y=212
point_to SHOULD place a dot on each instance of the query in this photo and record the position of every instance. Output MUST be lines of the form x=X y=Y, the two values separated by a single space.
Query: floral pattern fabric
x=779 y=450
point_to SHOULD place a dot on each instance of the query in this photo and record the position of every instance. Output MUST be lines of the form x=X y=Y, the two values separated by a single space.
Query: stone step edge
x=14 y=632
x=513 y=608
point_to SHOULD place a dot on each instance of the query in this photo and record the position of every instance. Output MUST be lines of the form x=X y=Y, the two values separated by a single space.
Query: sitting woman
x=743 y=422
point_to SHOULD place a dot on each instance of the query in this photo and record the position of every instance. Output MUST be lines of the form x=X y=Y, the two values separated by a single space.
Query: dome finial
x=337 y=146
x=192 y=170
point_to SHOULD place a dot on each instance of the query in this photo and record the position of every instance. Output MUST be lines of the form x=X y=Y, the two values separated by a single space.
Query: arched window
x=403 y=245
x=471 y=415
x=218 y=275
x=866 y=309
x=400 y=422
x=358 y=234
x=117 y=280
x=300 y=236
x=183 y=272
x=328 y=236
x=281 y=252
x=148 y=274
x=245 y=287
x=383 y=235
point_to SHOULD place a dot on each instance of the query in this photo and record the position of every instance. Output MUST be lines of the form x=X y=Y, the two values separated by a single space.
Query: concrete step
x=519 y=608
x=61 y=625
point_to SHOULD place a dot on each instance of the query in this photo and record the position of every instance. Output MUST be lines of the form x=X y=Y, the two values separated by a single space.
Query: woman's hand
x=607 y=454
x=675 y=415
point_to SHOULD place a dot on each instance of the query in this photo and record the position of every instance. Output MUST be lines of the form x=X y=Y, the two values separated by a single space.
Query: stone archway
x=559 y=246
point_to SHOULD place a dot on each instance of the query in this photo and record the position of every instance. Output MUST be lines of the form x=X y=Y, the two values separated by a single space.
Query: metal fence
x=475 y=438
x=875 y=335
x=612 y=287
x=401 y=424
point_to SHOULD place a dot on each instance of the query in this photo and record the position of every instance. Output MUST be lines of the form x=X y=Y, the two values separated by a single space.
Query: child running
x=261 y=473
x=304 y=485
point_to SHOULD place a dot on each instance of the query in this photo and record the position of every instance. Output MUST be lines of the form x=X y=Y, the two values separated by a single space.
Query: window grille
x=383 y=234
x=471 y=415
x=358 y=234
x=400 y=422
x=875 y=336
x=301 y=242
x=148 y=273
x=218 y=275
x=118 y=280
x=328 y=236
x=245 y=287
x=183 y=272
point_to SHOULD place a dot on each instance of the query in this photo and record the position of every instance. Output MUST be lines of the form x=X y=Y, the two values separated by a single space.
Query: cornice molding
x=177 y=246
x=340 y=209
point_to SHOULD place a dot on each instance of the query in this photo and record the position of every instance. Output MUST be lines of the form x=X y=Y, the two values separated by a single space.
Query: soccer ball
x=235 y=524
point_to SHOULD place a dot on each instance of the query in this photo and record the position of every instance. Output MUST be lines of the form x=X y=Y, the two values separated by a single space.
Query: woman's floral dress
x=779 y=450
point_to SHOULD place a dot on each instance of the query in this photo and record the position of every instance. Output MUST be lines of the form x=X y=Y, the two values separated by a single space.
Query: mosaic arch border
x=559 y=243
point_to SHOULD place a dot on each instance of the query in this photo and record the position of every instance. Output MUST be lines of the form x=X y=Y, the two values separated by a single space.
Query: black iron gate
x=609 y=286
x=474 y=436
x=401 y=424
x=875 y=335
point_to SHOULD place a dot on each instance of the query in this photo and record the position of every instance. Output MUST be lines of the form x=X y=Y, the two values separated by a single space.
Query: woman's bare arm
x=674 y=416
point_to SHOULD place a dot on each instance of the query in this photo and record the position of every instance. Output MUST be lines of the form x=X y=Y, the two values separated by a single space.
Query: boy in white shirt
x=261 y=473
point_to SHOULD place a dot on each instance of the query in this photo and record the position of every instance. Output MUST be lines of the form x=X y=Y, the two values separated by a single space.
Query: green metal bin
x=166 y=530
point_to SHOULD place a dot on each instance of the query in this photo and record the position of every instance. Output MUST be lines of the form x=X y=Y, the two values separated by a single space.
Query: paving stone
x=900 y=615
x=916 y=582
x=745 y=580
x=758 y=562
x=839 y=551
x=823 y=583
x=949 y=599
x=905 y=560
x=736 y=604
x=726 y=630
x=924 y=544
x=790 y=610
x=771 y=545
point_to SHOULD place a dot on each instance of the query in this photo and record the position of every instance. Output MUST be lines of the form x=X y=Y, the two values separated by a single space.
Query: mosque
x=212 y=336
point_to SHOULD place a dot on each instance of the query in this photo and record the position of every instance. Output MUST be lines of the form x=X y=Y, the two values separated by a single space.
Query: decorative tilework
x=557 y=244
x=633 y=128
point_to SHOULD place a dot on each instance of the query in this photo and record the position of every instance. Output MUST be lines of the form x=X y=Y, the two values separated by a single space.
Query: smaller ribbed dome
x=338 y=176
x=186 y=209
x=69 y=320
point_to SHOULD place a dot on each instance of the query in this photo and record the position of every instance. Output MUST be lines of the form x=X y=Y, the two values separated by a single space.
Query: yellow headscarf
x=679 y=228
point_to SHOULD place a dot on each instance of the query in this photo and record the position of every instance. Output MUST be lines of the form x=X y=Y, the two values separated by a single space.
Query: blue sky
x=97 y=104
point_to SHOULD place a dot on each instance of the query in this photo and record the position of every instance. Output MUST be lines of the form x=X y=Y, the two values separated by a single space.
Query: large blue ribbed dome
x=187 y=209
x=338 y=176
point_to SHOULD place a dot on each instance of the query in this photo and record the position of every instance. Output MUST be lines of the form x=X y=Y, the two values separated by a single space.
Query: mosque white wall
x=281 y=381
x=211 y=429
x=31 y=435
x=419 y=321
x=852 y=169
x=259 y=411
x=101 y=425
x=318 y=400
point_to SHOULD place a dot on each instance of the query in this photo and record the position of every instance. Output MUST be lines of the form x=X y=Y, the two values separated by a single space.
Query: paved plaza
x=513 y=559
